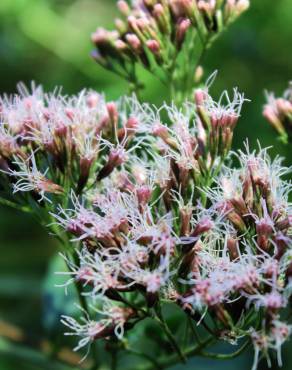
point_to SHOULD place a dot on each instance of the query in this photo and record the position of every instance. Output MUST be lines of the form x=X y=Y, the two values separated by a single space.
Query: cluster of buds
x=278 y=112
x=154 y=33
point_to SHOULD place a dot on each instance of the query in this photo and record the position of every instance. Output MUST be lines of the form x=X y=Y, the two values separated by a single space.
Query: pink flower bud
x=232 y=246
x=132 y=123
x=48 y=186
x=99 y=36
x=158 y=10
x=144 y=194
x=153 y=46
x=160 y=130
x=70 y=113
x=123 y=7
x=92 y=100
x=203 y=226
x=284 y=224
x=134 y=42
x=182 y=28
x=200 y=97
x=242 y=5
x=113 y=113
x=121 y=26
x=85 y=166
x=284 y=106
x=120 y=45
x=115 y=159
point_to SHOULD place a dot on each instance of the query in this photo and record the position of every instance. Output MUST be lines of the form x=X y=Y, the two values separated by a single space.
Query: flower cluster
x=163 y=35
x=52 y=144
x=156 y=216
x=154 y=212
x=278 y=112
x=230 y=260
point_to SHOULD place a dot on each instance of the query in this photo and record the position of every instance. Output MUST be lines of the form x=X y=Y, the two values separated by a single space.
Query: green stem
x=193 y=330
x=163 y=324
x=114 y=360
x=155 y=364
x=228 y=356
x=174 y=359
x=8 y=203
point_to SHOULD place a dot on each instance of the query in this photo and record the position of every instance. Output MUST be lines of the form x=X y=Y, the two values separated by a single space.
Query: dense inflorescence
x=153 y=210
x=167 y=37
x=278 y=112
x=157 y=211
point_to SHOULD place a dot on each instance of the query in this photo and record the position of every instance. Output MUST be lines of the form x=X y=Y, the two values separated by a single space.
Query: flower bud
x=121 y=26
x=228 y=210
x=115 y=159
x=92 y=100
x=48 y=186
x=185 y=220
x=181 y=31
x=161 y=14
x=153 y=46
x=202 y=227
x=124 y=8
x=284 y=106
x=282 y=242
x=284 y=224
x=273 y=119
x=134 y=42
x=242 y=5
x=199 y=72
x=112 y=112
x=85 y=165
x=232 y=246
x=144 y=194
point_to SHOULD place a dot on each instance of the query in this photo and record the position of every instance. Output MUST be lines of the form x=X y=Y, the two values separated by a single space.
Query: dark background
x=49 y=41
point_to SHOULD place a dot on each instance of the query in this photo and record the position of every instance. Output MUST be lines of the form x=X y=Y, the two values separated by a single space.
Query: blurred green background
x=49 y=41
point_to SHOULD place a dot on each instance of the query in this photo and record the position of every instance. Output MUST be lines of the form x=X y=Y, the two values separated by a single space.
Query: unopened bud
x=203 y=226
x=48 y=186
x=161 y=15
x=124 y=8
x=200 y=97
x=121 y=45
x=181 y=31
x=185 y=219
x=284 y=106
x=232 y=246
x=228 y=210
x=273 y=119
x=158 y=11
x=85 y=165
x=199 y=72
x=121 y=26
x=92 y=100
x=242 y=5
x=134 y=42
x=115 y=159
x=112 y=111
x=153 y=46
x=143 y=194
x=284 y=224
